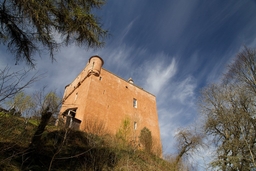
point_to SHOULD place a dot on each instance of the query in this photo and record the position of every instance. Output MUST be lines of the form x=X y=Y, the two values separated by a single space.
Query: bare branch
x=188 y=142
x=12 y=83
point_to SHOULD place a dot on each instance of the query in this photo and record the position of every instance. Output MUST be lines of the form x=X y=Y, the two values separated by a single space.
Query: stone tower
x=98 y=99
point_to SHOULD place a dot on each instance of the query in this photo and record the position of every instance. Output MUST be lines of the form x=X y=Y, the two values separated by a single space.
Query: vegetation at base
x=66 y=149
x=146 y=139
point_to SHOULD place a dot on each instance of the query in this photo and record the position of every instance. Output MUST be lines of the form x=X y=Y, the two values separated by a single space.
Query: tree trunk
x=36 y=139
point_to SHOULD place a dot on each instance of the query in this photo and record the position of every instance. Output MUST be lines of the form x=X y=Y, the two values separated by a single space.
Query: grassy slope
x=67 y=150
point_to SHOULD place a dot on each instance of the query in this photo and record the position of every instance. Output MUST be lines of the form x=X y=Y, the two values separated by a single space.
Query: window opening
x=135 y=125
x=76 y=96
x=92 y=65
x=135 y=103
x=71 y=121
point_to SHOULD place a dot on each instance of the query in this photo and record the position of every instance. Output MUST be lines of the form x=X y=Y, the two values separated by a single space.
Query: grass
x=62 y=149
x=33 y=122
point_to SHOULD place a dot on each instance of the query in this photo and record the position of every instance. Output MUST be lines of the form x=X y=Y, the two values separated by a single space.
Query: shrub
x=146 y=139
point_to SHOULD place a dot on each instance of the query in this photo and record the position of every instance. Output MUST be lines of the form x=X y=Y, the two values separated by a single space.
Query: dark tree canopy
x=30 y=26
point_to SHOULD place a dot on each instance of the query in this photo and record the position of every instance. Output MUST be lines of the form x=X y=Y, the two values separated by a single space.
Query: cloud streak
x=158 y=75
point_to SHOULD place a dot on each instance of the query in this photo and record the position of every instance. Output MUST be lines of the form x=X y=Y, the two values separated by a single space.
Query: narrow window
x=135 y=125
x=76 y=96
x=135 y=103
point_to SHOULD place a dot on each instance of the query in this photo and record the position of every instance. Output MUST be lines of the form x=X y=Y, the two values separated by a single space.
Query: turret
x=95 y=64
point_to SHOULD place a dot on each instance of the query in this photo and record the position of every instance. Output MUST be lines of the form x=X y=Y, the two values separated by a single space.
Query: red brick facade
x=97 y=95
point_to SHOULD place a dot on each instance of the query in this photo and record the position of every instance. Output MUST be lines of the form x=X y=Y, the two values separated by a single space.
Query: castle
x=97 y=99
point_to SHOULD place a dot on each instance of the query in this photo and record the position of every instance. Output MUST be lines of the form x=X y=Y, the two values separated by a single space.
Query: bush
x=146 y=139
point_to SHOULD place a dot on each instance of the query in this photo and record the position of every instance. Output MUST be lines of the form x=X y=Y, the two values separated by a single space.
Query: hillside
x=62 y=149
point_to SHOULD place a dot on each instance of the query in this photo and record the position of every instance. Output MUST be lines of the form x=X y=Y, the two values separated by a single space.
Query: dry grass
x=72 y=150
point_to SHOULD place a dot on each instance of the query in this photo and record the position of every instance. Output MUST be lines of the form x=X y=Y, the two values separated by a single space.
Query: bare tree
x=229 y=113
x=47 y=104
x=21 y=104
x=188 y=142
x=46 y=99
x=243 y=69
x=11 y=83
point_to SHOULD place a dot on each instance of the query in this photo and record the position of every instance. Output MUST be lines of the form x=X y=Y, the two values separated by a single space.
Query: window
x=71 y=121
x=76 y=96
x=135 y=125
x=135 y=103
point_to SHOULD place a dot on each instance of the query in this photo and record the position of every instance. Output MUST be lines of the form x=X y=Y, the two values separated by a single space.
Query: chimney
x=130 y=80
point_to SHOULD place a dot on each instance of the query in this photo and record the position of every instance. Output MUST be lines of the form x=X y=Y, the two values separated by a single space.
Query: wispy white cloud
x=126 y=31
x=158 y=74
x=117 y=59
x=184 y=91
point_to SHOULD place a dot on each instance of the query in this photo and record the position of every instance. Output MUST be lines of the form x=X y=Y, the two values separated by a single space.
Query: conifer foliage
x=30 y=26
x=146 y=139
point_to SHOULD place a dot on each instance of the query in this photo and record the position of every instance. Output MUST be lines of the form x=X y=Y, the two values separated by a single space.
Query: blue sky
x=170 y=48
